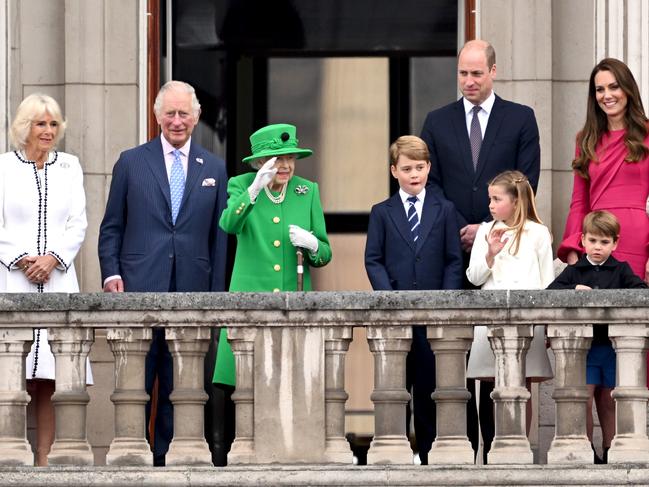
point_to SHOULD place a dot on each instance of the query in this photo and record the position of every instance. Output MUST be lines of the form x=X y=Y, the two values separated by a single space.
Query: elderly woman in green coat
x=273 y=213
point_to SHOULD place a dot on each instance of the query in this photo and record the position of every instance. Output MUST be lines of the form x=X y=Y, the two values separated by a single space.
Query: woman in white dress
x=42 y=225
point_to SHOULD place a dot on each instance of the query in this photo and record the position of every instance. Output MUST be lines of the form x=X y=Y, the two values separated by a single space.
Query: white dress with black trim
x=43 y=212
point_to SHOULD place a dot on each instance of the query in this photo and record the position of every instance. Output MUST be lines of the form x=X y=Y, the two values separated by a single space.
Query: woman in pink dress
x=611 y=166
x=611 y=172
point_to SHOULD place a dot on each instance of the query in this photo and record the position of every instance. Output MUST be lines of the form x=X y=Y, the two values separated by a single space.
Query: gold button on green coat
x=277 y=243
x=255 y=260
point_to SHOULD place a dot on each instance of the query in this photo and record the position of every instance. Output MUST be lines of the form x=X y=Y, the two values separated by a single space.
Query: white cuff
x=111 y=278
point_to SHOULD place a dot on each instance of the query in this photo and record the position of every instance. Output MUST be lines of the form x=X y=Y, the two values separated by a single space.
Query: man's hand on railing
x=114 y=286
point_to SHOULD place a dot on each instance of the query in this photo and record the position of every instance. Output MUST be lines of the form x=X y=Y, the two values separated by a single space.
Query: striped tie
x=176 y=185
x=413 y=219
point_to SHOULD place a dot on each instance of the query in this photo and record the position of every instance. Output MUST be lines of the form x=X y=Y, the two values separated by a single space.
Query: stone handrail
x=290 y=350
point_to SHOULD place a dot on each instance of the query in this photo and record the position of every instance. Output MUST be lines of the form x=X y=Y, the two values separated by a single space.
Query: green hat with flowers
x=275 y=140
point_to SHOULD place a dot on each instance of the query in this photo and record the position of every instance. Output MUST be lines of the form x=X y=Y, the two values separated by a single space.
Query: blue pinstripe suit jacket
x=137 y=239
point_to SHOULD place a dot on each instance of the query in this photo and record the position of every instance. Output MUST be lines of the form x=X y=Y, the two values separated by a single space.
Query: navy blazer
x=394 y=262
x=511 y=141
x=137 y=239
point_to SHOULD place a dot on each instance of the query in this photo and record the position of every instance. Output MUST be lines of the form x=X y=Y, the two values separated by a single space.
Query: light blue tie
x=176 y=185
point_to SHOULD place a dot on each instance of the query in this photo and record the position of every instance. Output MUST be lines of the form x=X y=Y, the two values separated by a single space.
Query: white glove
x=264 y=176
x=301 y=238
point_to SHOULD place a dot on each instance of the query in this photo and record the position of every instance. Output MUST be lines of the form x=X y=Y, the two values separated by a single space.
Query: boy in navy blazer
x=413 y=244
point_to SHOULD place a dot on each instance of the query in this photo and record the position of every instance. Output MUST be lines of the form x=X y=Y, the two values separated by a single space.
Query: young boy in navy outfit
x=598 y=269
x=413 y=244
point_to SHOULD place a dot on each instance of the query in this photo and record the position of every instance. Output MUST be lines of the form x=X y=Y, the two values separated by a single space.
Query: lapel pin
x=199 y=160
x=301 y=189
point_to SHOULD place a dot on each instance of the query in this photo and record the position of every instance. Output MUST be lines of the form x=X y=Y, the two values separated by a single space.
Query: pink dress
x=619 y=187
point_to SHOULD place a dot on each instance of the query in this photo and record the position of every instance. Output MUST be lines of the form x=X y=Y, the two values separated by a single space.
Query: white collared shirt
x=594 y=263
x=483 y=115
x=168 y=151
x=419 y=205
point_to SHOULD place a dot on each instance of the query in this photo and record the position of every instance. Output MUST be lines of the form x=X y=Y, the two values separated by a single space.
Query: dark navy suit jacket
x=511 y=141
x=394 y=262
x=137 y=239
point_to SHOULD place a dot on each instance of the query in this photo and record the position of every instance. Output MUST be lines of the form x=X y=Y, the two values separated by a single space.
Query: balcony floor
x=329 y=475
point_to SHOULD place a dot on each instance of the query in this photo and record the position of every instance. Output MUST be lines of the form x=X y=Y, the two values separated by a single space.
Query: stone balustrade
x=290 y=356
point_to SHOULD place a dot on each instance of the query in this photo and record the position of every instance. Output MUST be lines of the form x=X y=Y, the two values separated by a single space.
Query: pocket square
x=209 y=182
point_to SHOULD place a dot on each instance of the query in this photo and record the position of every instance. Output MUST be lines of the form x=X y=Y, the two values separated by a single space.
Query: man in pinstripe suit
x=161 y=235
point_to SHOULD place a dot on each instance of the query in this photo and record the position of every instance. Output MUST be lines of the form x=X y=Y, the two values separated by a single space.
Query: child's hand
x=496 y=242
x=583 y=287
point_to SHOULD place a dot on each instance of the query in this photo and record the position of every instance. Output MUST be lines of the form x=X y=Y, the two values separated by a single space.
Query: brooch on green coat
x=301 y=189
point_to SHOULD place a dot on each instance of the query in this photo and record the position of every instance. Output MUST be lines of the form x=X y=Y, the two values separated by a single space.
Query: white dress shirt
x=483 y=115
x=168 y=151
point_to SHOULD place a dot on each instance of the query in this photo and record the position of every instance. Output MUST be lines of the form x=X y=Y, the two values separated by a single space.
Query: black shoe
x=423 y=457
x=605 y=459
x=158 y=460
x=596 y=459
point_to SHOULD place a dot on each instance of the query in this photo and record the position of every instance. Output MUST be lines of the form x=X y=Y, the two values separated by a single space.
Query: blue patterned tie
x=413 y=219
x=176 y=185
x=475 y=136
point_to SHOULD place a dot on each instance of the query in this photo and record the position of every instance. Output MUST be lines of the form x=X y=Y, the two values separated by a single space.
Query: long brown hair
x=597 y=123
x=516 y=184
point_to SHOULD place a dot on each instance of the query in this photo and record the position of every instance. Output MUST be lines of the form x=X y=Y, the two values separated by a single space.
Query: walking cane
x=300 y=270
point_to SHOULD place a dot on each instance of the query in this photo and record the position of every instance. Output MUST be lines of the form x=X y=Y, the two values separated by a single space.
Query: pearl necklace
x=276 y=199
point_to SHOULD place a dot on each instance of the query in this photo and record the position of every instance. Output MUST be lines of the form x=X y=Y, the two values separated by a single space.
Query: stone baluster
x=390 y=345
x=129 y=346
x=570 y=345
x=337 y=448
x=450 y=345
x=14 y=447
x=188 y=347
x=70 y=347
x=630 y=444
x=510 y=444
x=242 y=342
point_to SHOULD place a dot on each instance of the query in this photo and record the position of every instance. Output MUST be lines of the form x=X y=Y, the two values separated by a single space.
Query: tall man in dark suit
x=471 y=141
x=160 y=231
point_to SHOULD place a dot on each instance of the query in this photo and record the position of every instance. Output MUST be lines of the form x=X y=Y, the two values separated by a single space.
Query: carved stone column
x=129 y=346
x=510 y=443
x=570 y=345
x=450 y=345
x=337 y=448
x=630 y=444
x=70 y=347
x=390 y=344
x=188 y=347
x=242 y=342
x=14 y=447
